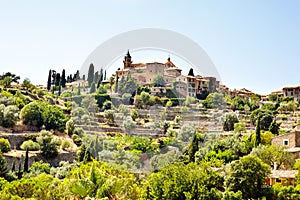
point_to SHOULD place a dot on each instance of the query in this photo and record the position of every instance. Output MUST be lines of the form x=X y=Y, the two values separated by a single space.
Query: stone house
x=289 y=140
x=283 y=177
x=292 y=92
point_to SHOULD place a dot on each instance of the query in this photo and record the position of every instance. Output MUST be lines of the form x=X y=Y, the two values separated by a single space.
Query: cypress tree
x=117 y=85
x=83 y=77
x=90 y=78
x=59 y=90
x=104 y=75
x=191 y=72
x=13 y=168
x=87 y=156
x=57 y=79
x=26 y=161
x=93 y=88
x=20 y=171
x=49 y=81
x=257 y=133
x=101 y=75
x=63 y=78
x=78 y=89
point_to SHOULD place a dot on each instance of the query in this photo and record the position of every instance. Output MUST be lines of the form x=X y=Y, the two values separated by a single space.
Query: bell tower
x=127 y=60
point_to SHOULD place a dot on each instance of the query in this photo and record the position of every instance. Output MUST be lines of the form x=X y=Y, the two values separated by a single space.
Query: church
x=186 y=85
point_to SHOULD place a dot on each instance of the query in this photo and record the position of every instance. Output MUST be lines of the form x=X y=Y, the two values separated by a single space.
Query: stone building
x=289 y=140
x=186 y=85
x=292 y=92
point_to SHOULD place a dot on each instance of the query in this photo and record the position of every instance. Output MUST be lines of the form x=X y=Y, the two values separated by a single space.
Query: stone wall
x=19 y=156
x=293 y=139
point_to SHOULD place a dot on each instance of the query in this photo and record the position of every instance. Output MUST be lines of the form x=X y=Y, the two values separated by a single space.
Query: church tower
x=127 y=60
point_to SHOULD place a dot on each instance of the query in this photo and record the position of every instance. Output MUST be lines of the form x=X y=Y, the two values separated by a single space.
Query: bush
x=4 y=145
x=49 y=144
x=229 y=121
x=65 y=144
x=30 y=145
x=8 y=115
x=109 y=115
x=70 y=126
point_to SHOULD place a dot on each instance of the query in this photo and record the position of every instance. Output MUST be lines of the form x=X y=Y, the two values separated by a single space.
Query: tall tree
x=57 y=79
x=93 y=88
x=26 y=161
x=49 y=80
x=104 y=75
x=63 y=79
x=257 y=132
x=117 y=85
x=90 y=78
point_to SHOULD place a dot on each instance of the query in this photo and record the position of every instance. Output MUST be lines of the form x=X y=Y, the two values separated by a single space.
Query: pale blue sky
x=254 y=44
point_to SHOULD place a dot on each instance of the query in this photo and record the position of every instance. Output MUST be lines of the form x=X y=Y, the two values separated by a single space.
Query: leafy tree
x=165 y=126
x=10 y=114
x=54 y=118
x=179 y=181
x=214 y=100
x=145 y=97
x=255 y=98
x=7 y=78
x=30 y=145
x=49 y=144
x=274 y=127
x=186 y=133
x=91 y=73
x=159 y=81
x=247 y=175
x=266 y=118
x=229 y=121
x=274 y=154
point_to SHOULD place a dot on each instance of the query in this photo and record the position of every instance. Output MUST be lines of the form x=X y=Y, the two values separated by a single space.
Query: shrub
x=30 y=145
x=109 y=115
x=4 y=145
x=49 y=144
x=229 y=121
x=65 y=144
x=134 y=114
x=70 y=126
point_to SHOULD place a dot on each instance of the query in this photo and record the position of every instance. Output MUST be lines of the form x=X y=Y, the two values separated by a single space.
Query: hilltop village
x=146 y=132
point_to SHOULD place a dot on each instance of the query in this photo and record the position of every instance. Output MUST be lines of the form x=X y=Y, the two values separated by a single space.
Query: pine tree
x=91 y=74
x=26 y=161
x=193 y=148
x=49 y=80
x=63 y=78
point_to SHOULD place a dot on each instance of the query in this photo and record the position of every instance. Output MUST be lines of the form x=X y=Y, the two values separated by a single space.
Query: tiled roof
x=283 y=173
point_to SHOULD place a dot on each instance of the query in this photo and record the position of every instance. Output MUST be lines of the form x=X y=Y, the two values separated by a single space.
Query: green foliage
x=8 y=115
x=70 y=126
x=3 y=165
x=30 y=145
x=107 y=105
x=65 y=144
x=49 y=145
x=214 y=100
x=129 y=124
x=186 y=133
x=179 y=181
x=93 y=88
x=274 y=127
x=109 y=115
x=266 y=118
x=239 y=127
x=134 y=114
x=4 y=145
x=229 y=121
x=128 y=85
x=274 y=154
x=158 y=81
x=40 y=114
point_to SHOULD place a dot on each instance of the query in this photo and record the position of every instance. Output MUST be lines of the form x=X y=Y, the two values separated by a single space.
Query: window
x=285 y=142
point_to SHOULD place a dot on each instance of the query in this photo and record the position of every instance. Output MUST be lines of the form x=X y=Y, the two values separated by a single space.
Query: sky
x=254 y=44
